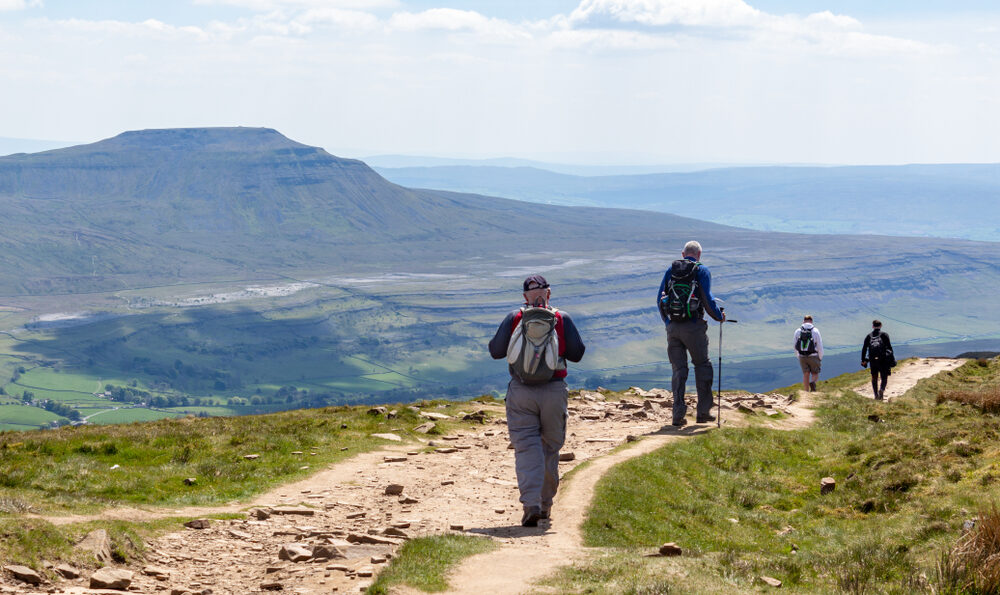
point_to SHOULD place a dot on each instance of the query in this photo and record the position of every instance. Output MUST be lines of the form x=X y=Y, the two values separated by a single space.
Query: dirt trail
x=538 y=552
x=514 y=568
x=905 y=376
x=461 y=483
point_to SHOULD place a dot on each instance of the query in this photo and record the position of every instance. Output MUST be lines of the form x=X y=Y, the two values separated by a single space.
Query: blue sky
x=594 y=81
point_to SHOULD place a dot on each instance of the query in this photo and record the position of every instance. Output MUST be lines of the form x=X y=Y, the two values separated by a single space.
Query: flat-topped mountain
x=200 y=203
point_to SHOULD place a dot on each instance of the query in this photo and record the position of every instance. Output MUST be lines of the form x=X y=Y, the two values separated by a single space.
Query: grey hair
x=691 y=248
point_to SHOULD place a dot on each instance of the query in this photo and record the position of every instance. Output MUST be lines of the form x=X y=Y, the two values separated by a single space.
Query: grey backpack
x=533 y=351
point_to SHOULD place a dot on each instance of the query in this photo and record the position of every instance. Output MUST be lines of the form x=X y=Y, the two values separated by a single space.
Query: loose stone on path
x=111 y=578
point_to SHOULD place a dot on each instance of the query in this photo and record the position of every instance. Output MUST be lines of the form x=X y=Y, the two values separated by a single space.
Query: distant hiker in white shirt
x=809 y=348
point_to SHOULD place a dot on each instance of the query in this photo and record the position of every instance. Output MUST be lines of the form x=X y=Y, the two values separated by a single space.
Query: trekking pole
x=719 y=418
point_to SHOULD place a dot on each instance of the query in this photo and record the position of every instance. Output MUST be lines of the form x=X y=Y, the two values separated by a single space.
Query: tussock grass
x=986 y=400
x=973 y=564
x=423 y=563
x=745 y=502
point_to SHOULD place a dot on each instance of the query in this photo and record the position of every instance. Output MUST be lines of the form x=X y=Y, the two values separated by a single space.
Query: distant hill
x=411 y=161
x=910 y=200
x=9 y=146
x=158 y=206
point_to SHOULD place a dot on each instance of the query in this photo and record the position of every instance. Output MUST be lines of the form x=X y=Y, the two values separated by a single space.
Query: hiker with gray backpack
x=536 y=341
x=877 y=356
x=684 y=296
x=809 y=348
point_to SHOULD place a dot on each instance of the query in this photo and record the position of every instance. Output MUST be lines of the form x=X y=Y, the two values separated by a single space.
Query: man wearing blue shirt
x=687 y=332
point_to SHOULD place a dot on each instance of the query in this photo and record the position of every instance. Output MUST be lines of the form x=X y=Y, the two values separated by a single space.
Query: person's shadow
x=688 y=430
x=512 y=531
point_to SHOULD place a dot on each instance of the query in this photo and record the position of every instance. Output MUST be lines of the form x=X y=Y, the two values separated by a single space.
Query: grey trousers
x=683 y=338
x=536 y=420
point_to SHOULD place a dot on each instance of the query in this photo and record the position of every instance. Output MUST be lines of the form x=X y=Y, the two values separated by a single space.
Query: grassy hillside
x=745 y=503
x=91 y=467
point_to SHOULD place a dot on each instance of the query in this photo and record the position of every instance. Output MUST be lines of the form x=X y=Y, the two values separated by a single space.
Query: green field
x=22 y=415
x=121 y=416
x=399 y=338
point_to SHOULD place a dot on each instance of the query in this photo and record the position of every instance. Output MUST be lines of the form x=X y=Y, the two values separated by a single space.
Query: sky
x=573 y=81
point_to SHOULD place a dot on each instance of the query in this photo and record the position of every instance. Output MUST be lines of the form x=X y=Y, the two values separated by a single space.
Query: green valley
x=227 y=271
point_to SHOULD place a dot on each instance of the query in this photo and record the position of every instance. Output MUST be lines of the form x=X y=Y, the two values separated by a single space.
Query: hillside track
x=514 y=568
x=467 y=488
x=906 y=375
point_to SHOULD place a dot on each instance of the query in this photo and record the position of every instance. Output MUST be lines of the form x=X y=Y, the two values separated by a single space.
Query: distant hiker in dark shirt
x=809 y=347
x=685 y=294
x=537 y=393
x=877 y=356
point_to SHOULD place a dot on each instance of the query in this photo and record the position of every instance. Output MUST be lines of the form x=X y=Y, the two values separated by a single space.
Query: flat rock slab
x=434 y=415
x=387 y=436
x=327 y=551
x=371 y=539
x=299 y=510
x=67 y=571
x=111 y=578
x=155 y=571
x=295 y=552
x=24 y=574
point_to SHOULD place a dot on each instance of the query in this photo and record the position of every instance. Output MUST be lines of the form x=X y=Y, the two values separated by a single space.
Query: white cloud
x=737 y=20
x=454 y=20
x=691 y=13
x=269 y=5
x=145 y=29
x=338 y=17
x=610 y=39
x=6 y=5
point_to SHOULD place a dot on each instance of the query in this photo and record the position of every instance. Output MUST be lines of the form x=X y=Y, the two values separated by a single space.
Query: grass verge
x=746 y=503
x=84 y=468
x=424 y=563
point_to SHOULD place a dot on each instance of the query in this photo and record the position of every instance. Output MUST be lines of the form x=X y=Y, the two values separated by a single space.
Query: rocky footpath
x=332 y=532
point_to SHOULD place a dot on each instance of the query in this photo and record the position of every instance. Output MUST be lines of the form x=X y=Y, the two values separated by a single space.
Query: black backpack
x=681 y=300
x=876 y=347
x=806 y=345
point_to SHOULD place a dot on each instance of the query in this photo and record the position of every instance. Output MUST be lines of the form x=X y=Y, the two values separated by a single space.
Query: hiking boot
x=679 y=422
x=544 y=514
x=532 y=515
x=704 y=419
x=812 y=387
